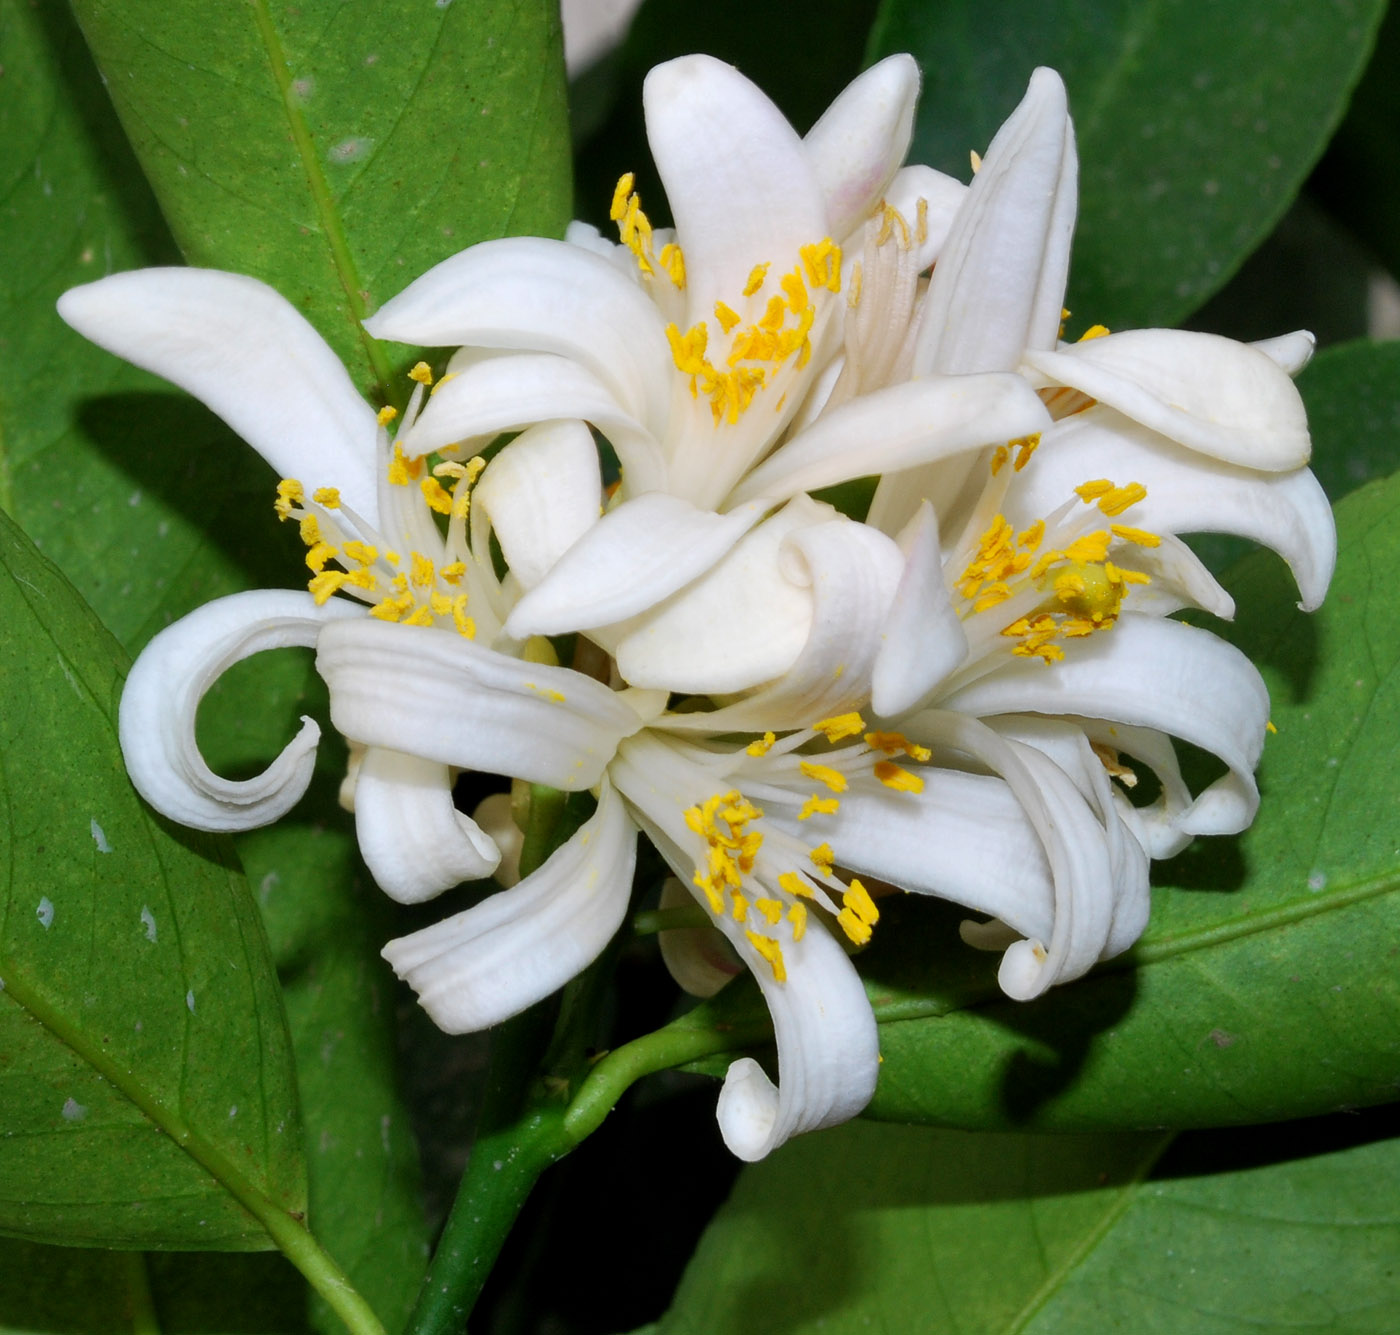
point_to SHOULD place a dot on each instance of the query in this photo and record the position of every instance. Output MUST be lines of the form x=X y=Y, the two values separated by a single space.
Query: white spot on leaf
x=189 y=1000
x=73 y=1111
x=354 y=149
x=98 y=837
x=45 y=912
x=148 y=920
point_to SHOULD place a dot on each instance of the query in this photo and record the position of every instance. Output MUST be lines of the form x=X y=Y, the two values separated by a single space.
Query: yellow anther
x=362 y=552
x=422 y=573
x=436 y=495
x=853 y=289
x=1139 y=536
x=386 y=610
x=309 y=530
x=440 y=603
x=1269 y=727
x=859 y=932
x=452 y=574
x=1093 y=331
x=1120 y=498
x=896 y=777
x=757 y=275
x=1025 y=446
x=466 y=627
x=762 y=746
x=1091 y=547
x=832 y=778
x=822 y=262
x=318 y=555
x=823 y=858
x=451 y=375
x=325 y=584
x=839 y=726
x=999 y=457
x=771 y=951
x=712 y=894
x=673 y=262
x=921 y=221
x=1032 y=537
x=327 y=496
x=772 y=909
x=894 y=743
x=361 y=579
x=1091 y=491
x=817 y=805
x=857 y=899
x=797 y=916
x=739 y=906
x=976 y=159
x=399 y=469
x=421 y=615
x=422 y=373
x=793 y=883
x=386 y=414
x=726 y=316
x=619 y=200
x=289 y=493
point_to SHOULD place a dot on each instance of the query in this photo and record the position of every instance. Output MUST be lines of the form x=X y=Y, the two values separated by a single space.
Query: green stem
x=650 y=921
x=138 y=1295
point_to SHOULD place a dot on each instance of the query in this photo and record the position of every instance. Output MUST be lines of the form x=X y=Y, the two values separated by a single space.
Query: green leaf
x=1196 y=122
x=337 y=151
x=83 y=1291
x=1353 y=399
x=146 y=1090
x=905 y=1228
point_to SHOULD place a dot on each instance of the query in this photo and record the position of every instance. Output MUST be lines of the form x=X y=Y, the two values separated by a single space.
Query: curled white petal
x=1290 y=352
x=415 y=843
x=540 y=494
x=162 y=695
x=531 y=294
x=861 y=138
x=1221 y=398
x=247 y=353
x=635 y=556
x=492 y=961
x=434 y=694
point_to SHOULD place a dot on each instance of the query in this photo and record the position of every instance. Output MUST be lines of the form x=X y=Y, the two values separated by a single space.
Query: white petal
x=636 y=555
x=828 y=1048
x=922 y=640
x=495 y=817
x=540 y=494
x=415 y=843
x=853 y=571
x=536 y=295
x=740 y=624
x=516 y=947
x=162 y=695
x=1150 y=673
x=248 y=354
x=513 y=392
x=861 y=139
x=736 y=174
x=434 y=694
x=899 y=427
x=1221 y=398
x=1186 y=493
x=965 y=838
x=999 y=284
x=1290 y=352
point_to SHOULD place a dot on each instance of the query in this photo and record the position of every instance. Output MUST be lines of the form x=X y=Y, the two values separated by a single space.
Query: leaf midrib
x=336 y=240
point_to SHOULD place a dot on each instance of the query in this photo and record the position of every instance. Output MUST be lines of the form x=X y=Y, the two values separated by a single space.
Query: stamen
x=839 y=726
x=762 y=746
x=328 y=497
x=386 y=414
x=833 y=779
x=896 y=777
x=817 y=805
x=422 y=373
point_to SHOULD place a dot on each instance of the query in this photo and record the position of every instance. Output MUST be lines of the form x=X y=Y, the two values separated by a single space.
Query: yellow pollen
x=1091 y=491
x=739 y=906
x=857 y=899
x=318 y=555
x=436 y=495
x=1269 y=727
x=1136 y=535
x=822 y=262
x=756 y=278
x=1032 y=537
x=706 y=884
x=1119 y=499
x=1093 y=331
x=386 y=414
x=453 y=573
x=839 y=726
x=797 y=916
x=673 y=262
x=361 y=552
x=451 y=375
x=329 y=497
x=859 y=932
x=772 y=909
x=893 y=743
x=422 y=373
x=289 y=493
x=795 y=885
x=896 y=777
x=1092 y=547
x=401 y=470
x=817 y=805
x=1025 y=446
x=771 y=951
x=440 y=603
x=466 y=627
x=823 y=858
x=310 y=530
x=854 y=287
x=726 y=316
x=762 y=746
x=421 y=615
x=619 y=200
x=999 y=457
x=325 y=584
x=833 y=779
x=422 y=574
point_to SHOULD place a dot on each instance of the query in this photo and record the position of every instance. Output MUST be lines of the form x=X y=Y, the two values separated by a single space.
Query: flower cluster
x=803 y=712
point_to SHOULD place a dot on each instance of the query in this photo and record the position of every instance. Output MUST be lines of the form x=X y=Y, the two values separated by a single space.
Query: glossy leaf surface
x=337 y=151
x=147 y=1091
x=1197 y=123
